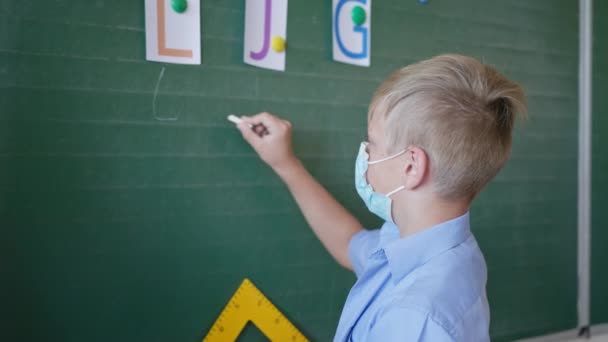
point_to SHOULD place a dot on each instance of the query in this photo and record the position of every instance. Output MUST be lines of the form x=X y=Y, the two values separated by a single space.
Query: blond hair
x=459 y=111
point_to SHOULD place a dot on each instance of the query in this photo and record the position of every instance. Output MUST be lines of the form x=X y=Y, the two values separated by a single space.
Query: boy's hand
x=274 y=145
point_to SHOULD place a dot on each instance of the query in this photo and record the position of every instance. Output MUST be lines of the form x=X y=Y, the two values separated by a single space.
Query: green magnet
x=358 y=15
x=179 y=6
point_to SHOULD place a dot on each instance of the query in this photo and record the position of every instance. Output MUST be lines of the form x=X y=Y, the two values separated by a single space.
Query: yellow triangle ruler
x=249 y=304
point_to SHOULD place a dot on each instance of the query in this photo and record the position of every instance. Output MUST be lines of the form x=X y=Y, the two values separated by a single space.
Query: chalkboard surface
x=121 y=227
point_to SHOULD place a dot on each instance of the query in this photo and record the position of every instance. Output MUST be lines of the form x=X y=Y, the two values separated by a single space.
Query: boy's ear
x=416 y=167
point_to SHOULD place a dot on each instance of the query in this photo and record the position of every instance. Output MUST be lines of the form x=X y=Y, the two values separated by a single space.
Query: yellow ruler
x=249 y=304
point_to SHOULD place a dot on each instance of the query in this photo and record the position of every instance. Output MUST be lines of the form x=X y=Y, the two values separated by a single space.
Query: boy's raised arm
x=329 y=220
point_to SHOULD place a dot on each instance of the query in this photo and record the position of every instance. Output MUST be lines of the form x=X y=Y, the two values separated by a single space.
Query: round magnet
x=278 y=44
x=179 y=6
x=358 y=15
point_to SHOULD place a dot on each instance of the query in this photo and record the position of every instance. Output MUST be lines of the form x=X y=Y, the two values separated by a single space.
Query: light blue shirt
x=429 y=286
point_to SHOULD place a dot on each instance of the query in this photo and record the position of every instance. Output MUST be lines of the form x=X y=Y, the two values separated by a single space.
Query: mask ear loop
x=387 y=158
x=395 y=191
x=391 y=157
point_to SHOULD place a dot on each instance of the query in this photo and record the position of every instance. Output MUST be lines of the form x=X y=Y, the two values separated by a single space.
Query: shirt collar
x=406 y=254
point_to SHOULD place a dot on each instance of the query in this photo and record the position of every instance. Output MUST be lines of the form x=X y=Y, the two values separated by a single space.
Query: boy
x=438 y=132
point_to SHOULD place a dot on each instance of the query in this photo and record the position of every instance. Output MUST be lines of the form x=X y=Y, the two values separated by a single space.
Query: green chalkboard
x=119 y=227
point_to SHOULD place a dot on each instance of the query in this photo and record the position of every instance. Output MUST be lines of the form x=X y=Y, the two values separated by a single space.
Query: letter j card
x=265 y=33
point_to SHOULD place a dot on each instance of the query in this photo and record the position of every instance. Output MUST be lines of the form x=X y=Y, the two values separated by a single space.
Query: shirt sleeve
x=403 y=324
x=359 y=248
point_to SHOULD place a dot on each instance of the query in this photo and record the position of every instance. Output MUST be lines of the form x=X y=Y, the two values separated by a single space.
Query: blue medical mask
x=378 y=203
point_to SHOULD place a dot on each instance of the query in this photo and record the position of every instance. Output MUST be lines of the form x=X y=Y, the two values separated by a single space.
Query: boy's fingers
x=260 y=129
x=250 y=136
x=269 y=120
x=254 y=123
x=261 y=125
x=266 y=124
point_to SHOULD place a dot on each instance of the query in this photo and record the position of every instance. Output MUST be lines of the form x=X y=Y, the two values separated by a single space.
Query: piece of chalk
x=236 y=120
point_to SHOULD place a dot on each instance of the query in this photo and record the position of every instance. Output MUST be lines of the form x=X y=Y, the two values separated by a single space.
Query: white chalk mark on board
x=160 y=77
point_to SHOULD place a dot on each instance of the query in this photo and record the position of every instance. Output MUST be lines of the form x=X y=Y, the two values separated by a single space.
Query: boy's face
x=388 y=175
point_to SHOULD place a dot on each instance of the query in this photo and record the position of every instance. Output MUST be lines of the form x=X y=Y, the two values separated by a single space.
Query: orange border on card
x=163 y=50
